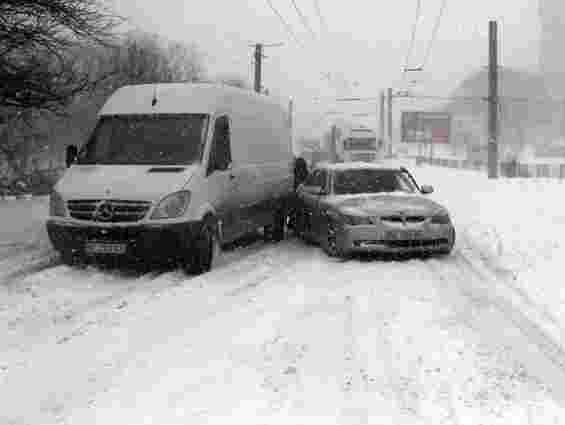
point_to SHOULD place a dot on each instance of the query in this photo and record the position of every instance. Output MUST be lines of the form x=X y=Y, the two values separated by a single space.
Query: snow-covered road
x=280 y=333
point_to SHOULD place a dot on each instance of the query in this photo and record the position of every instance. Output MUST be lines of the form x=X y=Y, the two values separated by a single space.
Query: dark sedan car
x=366 y=207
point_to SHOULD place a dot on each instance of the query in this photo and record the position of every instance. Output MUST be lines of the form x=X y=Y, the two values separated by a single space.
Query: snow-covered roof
x=204 y=98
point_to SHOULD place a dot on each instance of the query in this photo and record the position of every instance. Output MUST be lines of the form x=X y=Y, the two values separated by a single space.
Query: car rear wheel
x=329 y=241
x=300 y=227
x=71 y=258
x=276 y=231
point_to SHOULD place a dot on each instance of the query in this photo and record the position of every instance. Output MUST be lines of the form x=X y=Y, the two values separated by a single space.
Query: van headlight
x=57 y=206
x=172 y=206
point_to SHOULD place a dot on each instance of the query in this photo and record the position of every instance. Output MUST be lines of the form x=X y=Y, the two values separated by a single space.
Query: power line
x=434 y=33
x=323 y=23
x=286 y=25
x=412 y=38
x=289 y=29
x=461 y=98
x=303 y=19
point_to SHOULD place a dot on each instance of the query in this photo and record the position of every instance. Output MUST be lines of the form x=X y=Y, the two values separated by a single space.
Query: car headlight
x=172 y=206
x=57 y=206
x=441 y=219
x=349 y=219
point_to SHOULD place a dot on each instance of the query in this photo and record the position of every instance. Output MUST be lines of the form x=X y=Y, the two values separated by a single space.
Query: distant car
x=367 y=207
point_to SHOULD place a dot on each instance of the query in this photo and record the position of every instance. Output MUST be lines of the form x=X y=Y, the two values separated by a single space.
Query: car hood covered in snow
x=139 y=182
x=385 y=204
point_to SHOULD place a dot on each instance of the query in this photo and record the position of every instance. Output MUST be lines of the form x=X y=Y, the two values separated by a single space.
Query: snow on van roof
x=203 y=98
x=357 y=165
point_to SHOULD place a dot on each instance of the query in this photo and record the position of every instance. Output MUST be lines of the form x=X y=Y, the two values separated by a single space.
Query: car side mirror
x=71 y=155
x=426 y=189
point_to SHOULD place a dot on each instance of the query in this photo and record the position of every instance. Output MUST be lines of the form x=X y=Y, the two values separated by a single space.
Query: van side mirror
x=71 y=155
x=426 y=189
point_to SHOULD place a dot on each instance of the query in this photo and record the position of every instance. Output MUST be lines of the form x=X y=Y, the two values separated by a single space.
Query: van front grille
x=108 y=211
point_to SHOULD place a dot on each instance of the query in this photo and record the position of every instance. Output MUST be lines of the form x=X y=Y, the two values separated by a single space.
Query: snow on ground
x=282 y=334
x=23 y=239
x=517 y=227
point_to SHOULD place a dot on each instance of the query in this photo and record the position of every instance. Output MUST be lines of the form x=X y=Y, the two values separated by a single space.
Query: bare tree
x=37 y=67
x=133 y=58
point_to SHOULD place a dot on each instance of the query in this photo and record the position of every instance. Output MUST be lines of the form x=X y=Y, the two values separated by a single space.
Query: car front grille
x=405 y=243
x=412 y=219
x=121 y=211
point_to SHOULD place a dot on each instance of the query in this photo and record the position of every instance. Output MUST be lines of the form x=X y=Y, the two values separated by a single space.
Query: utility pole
x=258 y=55
x=389 y=125
x=493 y=101
x=258 y=60
x=291 y=123
x=333 y=145
x=382 y=119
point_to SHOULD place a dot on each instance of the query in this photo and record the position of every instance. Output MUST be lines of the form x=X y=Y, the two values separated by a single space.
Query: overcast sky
x=363 y=44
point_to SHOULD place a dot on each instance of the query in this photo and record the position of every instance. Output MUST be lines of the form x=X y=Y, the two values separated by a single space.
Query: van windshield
x=159 y=139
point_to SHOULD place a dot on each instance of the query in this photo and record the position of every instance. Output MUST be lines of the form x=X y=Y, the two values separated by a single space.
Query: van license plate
x=105 y=248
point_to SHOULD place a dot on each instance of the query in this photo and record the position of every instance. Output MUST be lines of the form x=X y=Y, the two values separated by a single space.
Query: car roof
x=343 y=166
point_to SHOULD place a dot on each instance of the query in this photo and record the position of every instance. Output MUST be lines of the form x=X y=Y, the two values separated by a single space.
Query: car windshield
x=371 y=181
x=158 y=139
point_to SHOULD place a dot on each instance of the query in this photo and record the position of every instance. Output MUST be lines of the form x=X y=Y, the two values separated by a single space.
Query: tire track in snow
x=486 y=292
x=472 y=255
x=355 y=386
x=63 y=323
x=212 y=301
x=529 y=328
x=159 y=283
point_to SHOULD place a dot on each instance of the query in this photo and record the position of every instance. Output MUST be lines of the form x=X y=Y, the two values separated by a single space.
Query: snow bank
x=516 y=227
x=22 y=228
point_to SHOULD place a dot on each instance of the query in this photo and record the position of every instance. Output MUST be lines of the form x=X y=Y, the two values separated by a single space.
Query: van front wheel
x=205 y=250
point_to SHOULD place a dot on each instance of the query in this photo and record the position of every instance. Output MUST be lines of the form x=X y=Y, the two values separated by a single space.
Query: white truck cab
x=173 y=171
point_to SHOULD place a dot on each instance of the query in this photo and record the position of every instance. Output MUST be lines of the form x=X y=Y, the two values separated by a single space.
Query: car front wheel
x=446 y=251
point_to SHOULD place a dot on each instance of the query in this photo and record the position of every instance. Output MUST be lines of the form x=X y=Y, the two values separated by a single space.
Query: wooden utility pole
x=258 y=59
x=493 y=101
x=258 y=84
x=389 y=124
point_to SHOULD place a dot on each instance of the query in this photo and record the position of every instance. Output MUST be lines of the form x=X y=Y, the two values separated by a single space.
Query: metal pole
x=389 y=122
x=258 y=59
x=382 y=117
x=493 y=102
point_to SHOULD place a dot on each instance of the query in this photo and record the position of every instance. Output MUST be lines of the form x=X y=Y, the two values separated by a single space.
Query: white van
x=172 y=172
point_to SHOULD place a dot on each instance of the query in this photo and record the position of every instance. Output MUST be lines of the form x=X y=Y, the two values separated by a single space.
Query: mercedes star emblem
x=104 y=212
